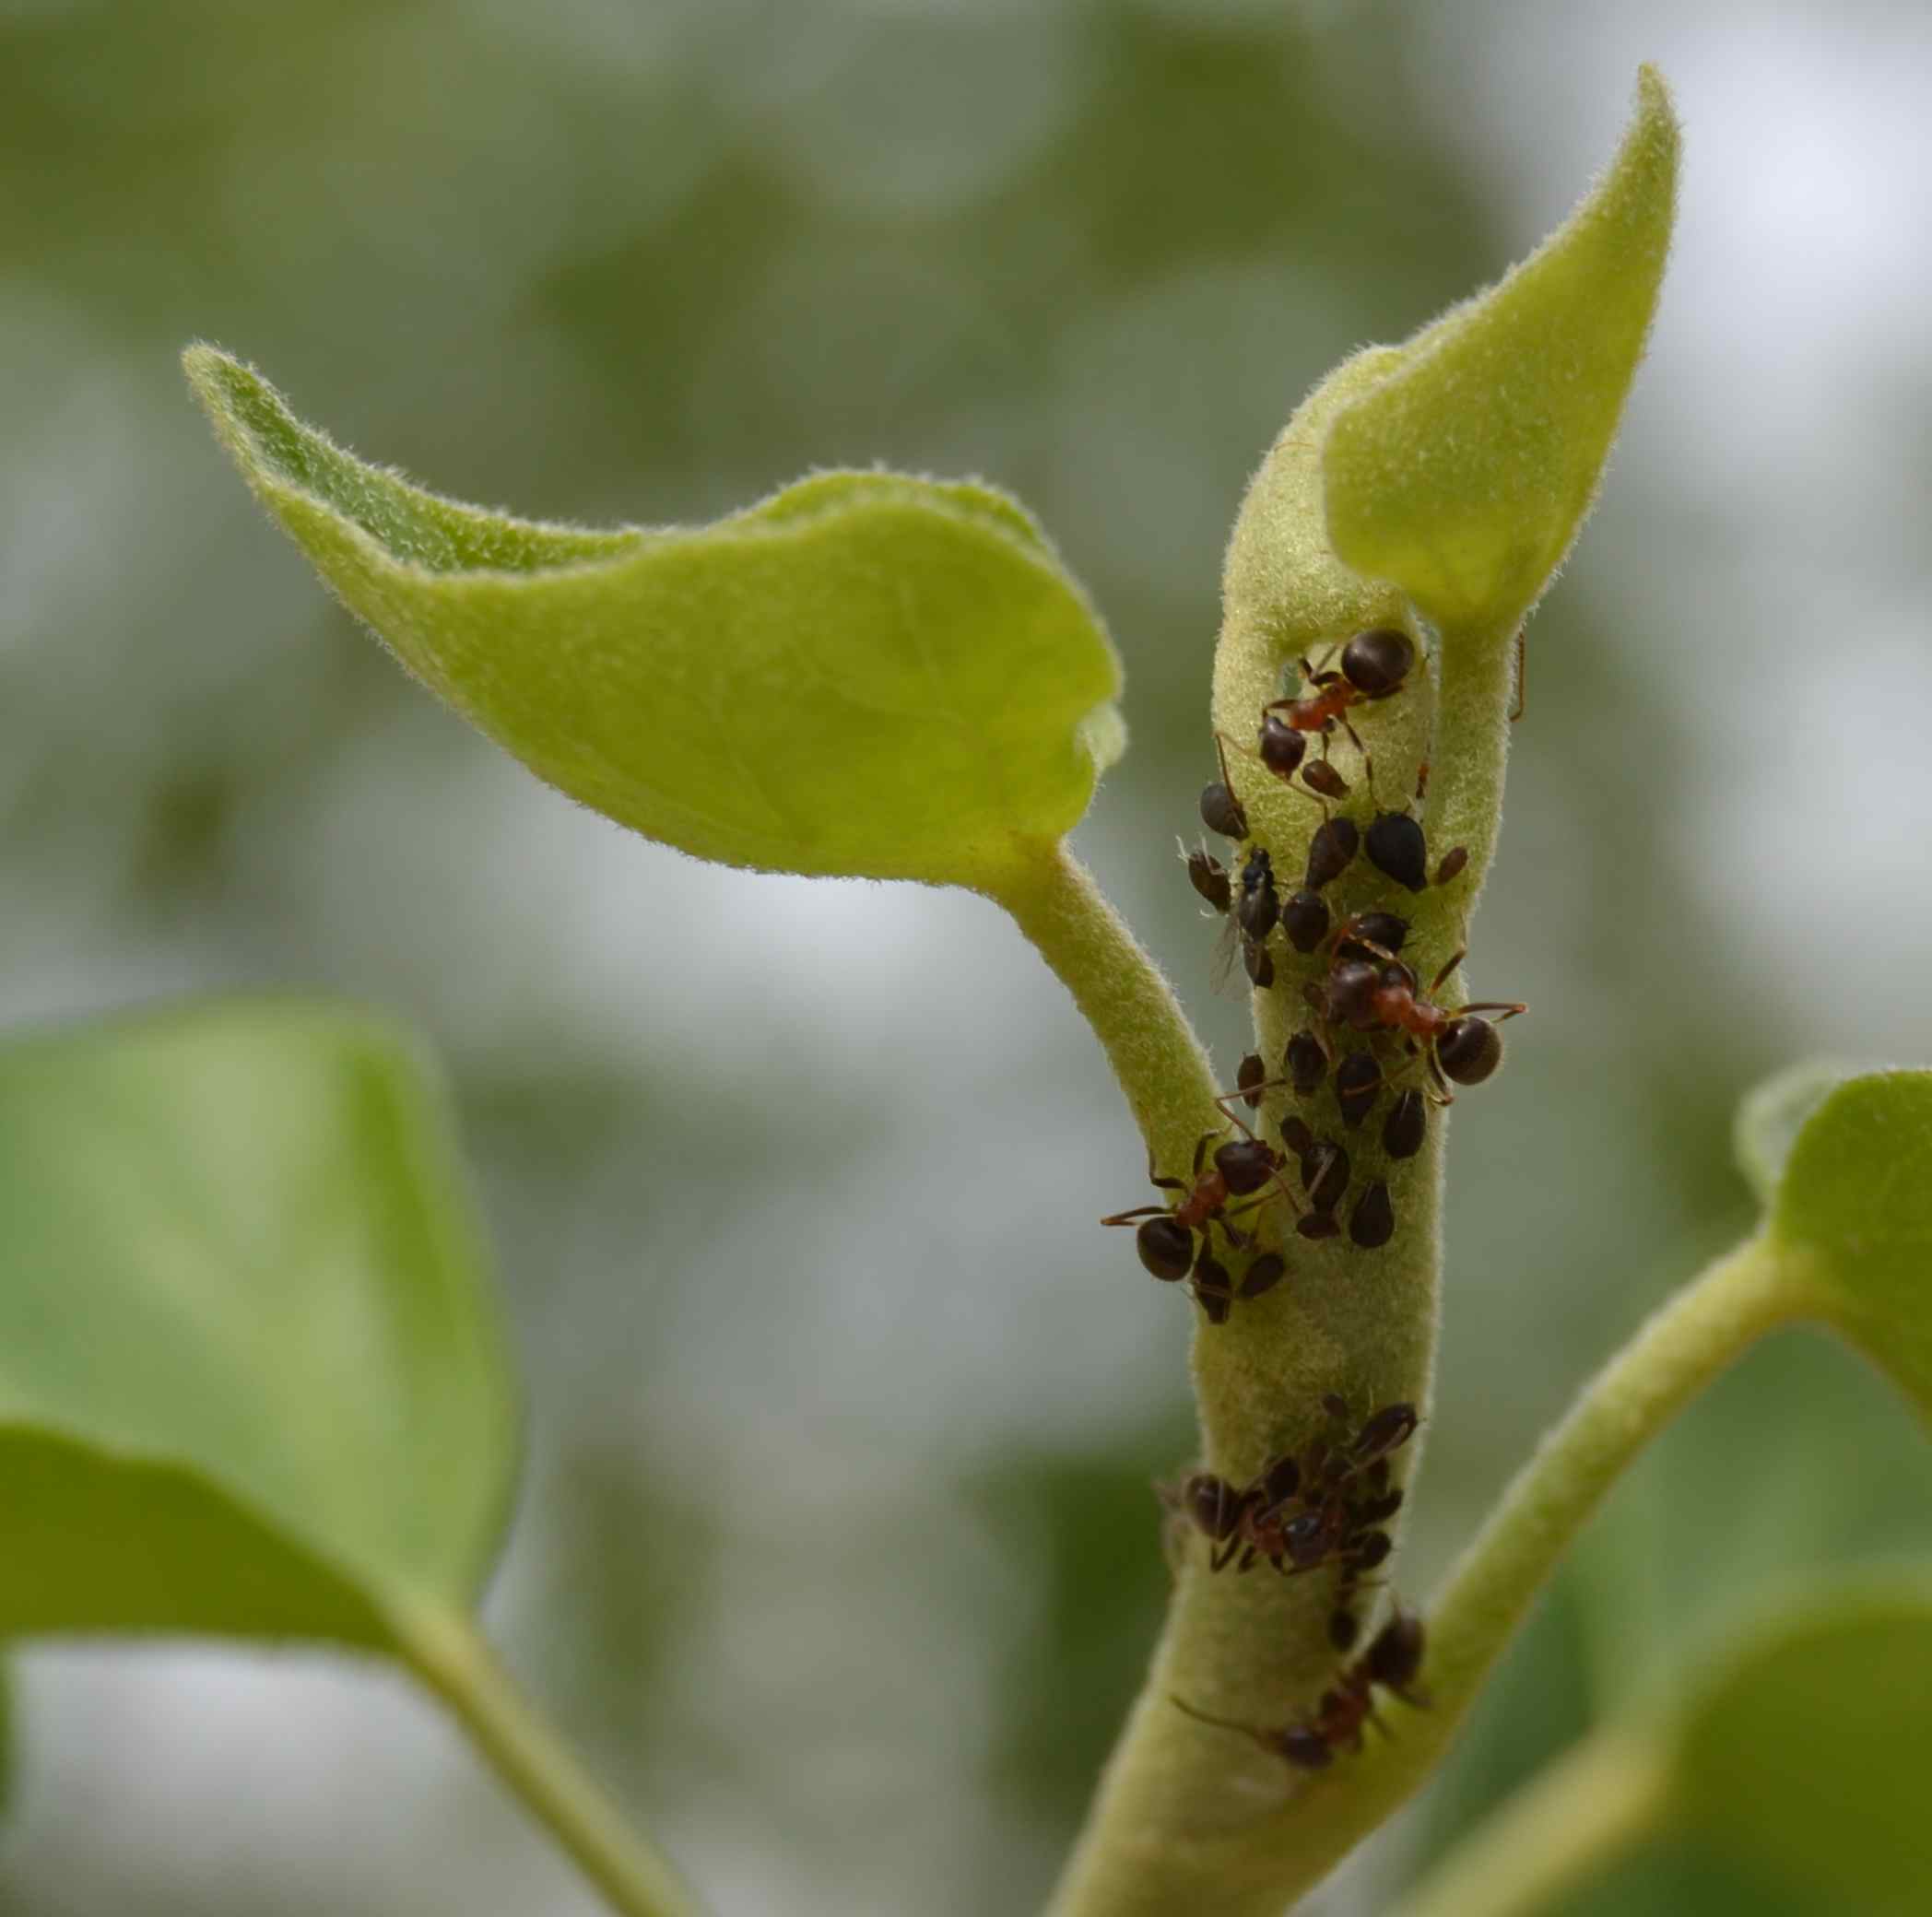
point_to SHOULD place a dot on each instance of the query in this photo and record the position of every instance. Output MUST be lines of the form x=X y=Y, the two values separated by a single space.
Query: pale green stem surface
x=1122 y=995
x=1687 y=1342
x=1593 y=1804
x=451 y=1657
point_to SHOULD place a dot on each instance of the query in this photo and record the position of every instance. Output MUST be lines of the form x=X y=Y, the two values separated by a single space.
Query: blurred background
x=836 y=1549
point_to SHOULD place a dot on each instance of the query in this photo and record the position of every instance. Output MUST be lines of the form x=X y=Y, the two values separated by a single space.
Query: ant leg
x=1224 y=1723
x=1444 y=1095
x=1522 y=674
x=1368 y=759
x=1503 y=1009
x=1128 y=1218
x=1221 y=1559
x=1435 y=983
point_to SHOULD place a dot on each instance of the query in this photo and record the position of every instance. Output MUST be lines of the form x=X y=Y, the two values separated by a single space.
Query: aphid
x=1397 y=848
x=1452 y=865
x=1251 y=1076
x=1304 y=917
x=1324 y=1175
x=1373 y=1222
x=1344 y=1628
x=1371 y=934
x=1220 y=810
x=1330 y=852
x=1209 y=878
x=1259 y=965
x=1358 y=1083
x=1393 y=1658
x=1407 y=1125
x=1239 y=1168
x=1264 y=1273
x=1296 y=1134
x=1213 y=1289
x=1318 y=775
x=1305 y=1062
x=1260 y=906
x=1383 y=1431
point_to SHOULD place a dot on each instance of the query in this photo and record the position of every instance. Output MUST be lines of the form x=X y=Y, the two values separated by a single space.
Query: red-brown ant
x=1456 y=1045
x=1392 y=1661
x=1241 y=1167
x=1373 y=665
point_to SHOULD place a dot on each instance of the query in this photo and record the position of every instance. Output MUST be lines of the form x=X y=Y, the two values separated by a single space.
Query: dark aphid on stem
x=1324 y=1175
x=1220 y=810
x=1263 y=1275
x=1305 y=1062
x=1358 y=1083
x=1383 y=1431
x=1209 y=878
x=1331 y=852
x=1373 y=1222
x=1258 y=964
x=1371 y=934
x=1407 y=1125
x=1393 y=1658
x=1213 y=1288
x=1344 y=1629
x=1295 y=1133
x=1318 y=775
x=1304 y=917
x=1250 y=1076
x=1397 y=849
x=1452 y=865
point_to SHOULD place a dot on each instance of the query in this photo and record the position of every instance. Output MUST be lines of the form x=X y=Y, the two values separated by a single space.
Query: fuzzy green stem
x=1476 y=685
x=538 y=1767
x=1599 y=1801
x=1121 y=994
x=1685 y=1343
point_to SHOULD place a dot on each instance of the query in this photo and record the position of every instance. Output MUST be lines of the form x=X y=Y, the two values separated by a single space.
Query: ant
x=1374 y=665
x=1456 y=1045
x=1392 y=1661
x=1241 y=1167
x=1260 y=1521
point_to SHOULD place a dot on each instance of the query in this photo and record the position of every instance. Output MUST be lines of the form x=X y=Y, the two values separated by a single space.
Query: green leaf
x=1463 y=476
x=866 y=675
x=1805 y=1753
x=1853 y=1218
x=250 y=1380
x=1773 y=1113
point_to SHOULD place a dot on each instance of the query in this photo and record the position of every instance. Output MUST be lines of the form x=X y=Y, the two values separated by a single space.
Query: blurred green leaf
x=1854 y=1208
x=1806 y=1752
x=1773 y=1113
x=866 y=675
x=250 y=1380
x=1464 y=475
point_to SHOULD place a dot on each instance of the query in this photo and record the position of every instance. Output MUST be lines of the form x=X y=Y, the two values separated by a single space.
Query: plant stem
x=1752 y=1290
x=1121 y=994
x=1597 y=1801
x=457 y=1664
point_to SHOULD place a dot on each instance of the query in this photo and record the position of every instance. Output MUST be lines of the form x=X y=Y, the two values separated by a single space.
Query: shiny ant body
x=1165 y=1237
x=1369 y=997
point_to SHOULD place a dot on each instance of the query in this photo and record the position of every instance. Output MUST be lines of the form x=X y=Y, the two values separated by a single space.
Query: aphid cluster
x=1392 y=1662
x=1326 y=1504
x=1372 y=1025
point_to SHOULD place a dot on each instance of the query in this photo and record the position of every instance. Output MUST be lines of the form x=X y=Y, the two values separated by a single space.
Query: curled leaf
x=1464 y=475
x=867 y=673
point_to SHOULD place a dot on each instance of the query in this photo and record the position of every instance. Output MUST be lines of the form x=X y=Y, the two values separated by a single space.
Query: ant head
x=1469 y=1050
x=1376 y=663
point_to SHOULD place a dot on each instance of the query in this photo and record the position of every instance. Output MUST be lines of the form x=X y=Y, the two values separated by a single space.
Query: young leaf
x=1805 y=1753
x=250 y=1380
x=866 y=675
x=1464 y=475
x=1853 y=1216
x=1773 y=1113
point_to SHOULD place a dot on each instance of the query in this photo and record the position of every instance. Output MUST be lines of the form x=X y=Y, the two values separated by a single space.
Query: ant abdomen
x=1469 y=1050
